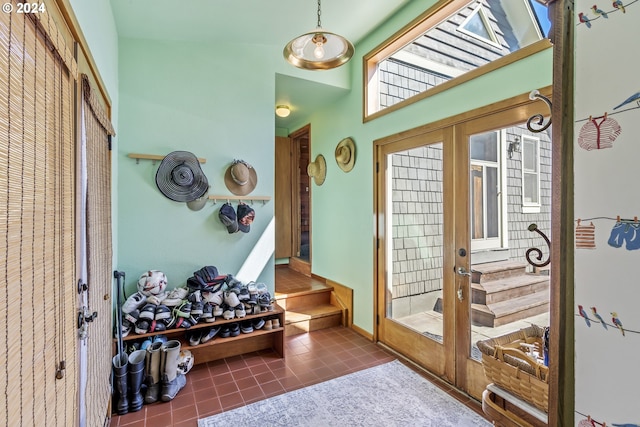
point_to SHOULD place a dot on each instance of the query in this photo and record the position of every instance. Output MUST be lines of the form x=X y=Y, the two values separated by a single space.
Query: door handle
x=462 y=272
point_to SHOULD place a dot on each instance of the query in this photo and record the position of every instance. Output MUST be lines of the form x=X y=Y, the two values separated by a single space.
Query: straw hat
x=240 y=178
x=180 y=178
x=346 y=154
x=318 y=169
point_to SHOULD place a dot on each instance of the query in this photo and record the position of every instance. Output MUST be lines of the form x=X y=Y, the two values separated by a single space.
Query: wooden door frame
x=295 y=190
x=505 y=113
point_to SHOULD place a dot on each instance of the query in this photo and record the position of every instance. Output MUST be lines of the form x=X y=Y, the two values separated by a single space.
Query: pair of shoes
x=258 y=323
x=225 y=332
x=134 y=302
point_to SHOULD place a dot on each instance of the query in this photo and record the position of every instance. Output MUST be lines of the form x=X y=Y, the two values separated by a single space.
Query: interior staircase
x=310 y=304
x=503 y=292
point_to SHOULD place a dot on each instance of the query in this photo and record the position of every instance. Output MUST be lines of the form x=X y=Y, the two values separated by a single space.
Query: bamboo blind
x=99 y=254
x=37 y=252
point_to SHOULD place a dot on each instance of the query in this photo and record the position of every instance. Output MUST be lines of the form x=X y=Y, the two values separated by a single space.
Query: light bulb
x=318 y=52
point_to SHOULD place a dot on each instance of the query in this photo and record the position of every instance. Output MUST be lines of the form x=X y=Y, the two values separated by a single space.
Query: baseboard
x=362 y=332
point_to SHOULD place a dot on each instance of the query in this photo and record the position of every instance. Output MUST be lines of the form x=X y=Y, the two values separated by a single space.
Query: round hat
x=318 y=169
x=240 y=178
x=346 y=154
x=180 y=178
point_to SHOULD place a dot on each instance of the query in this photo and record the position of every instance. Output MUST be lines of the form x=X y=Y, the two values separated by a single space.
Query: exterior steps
x=310 y=309
x=503 y=292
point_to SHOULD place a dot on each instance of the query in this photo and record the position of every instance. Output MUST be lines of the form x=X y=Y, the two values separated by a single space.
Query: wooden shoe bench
x=218 y=347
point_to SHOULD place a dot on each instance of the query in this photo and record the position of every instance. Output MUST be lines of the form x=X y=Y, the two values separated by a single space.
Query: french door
x=439 y=190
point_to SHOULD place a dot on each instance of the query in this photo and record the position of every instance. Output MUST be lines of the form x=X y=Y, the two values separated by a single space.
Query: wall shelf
x=154 y=157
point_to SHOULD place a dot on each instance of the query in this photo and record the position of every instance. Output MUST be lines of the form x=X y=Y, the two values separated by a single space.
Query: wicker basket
x=511 y=369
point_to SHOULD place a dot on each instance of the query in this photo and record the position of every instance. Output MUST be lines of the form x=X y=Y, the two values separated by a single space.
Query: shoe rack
x=218 y=347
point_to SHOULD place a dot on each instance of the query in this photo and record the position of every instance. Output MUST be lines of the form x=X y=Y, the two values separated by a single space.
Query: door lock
x=462 y=272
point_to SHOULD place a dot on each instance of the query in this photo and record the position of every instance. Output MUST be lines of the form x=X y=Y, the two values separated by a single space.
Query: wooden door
x=284 y=198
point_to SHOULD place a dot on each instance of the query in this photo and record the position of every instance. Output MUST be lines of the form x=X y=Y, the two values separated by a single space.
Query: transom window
x=454 y=38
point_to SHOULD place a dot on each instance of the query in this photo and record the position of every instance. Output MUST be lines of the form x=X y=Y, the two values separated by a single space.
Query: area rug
x=386 y=395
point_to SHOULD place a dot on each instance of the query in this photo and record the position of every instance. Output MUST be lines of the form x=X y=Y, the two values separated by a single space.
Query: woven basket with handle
x=515 y=371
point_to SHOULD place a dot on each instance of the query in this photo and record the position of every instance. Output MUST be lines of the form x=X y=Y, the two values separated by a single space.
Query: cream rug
x=386 y=395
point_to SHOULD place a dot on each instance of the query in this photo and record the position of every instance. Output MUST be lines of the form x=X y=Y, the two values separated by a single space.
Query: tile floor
x=225 y=384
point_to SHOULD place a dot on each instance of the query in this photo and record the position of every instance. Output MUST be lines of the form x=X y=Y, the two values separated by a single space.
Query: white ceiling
x=272 y=22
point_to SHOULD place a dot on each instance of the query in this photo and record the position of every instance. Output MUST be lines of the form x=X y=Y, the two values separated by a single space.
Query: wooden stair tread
x=309 y=290
x=507 y=283
x=513 y=305
x=494 y=267
x=306 y=313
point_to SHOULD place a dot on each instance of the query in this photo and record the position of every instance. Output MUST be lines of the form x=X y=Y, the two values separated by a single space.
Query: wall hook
x=534 y=227
x=538 y=119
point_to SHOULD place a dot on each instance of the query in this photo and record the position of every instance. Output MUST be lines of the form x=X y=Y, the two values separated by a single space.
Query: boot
x=120 y=365
x=136 y=375
x=172 y=381
x=152 y=362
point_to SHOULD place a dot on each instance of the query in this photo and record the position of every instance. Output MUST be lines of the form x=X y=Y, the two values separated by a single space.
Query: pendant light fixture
x=318 y=49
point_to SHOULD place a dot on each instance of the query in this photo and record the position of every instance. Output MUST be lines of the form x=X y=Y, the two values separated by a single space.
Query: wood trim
x=344 y=295
x=362 y=332
x=155 y=157
x=562 y=339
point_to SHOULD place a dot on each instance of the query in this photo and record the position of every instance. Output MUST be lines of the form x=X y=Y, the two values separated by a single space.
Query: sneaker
x=218 y=310
x=148 y=312
x=160 y=338
x=197 y=308
x=268 y=325
x=195 y=296
x=133 y=302
x=194 y=337
x=210 y=334
x=207 y=312
x=243 y=295
x=275 y=323
x=157 y=299
x=215 y=298
x=229 y=313
x=258 y=323
x=142 y=327
x=146 y=343
x=231 y=298
x=175 y=297
x=133 y=316
x=159 y=326
x=240 y=311
x=183 y=310
x=253 y=299
x=261 y=288
x=252 y=288
x=162 y=312
x=264 y=300
x=234 y=329
x=246 y=327
x=186 y=323
x=125 y=328
x=225 y=332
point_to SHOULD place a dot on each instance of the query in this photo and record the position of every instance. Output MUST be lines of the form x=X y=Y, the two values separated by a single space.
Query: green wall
x=342 y=208
x=216 y=102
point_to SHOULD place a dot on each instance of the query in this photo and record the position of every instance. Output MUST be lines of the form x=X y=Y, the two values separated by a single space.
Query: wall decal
x=598 y=12
x=585 y=236
x=597 y=318
x=590 y=422
x=599 y=133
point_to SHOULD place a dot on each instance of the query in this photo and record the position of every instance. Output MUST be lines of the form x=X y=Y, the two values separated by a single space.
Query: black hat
x=180 y=178
x=246 y=215
x=228 y=217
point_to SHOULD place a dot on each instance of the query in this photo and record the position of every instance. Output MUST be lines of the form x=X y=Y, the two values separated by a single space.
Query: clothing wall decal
x=599 y=133
x=585 y=236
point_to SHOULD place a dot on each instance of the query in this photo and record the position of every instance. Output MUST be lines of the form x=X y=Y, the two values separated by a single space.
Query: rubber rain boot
x=152 y=367
x=136 y=376
x=120 y=365
x=172 y=381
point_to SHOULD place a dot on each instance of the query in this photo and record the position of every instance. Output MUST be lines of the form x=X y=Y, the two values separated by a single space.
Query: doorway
x=438 y=191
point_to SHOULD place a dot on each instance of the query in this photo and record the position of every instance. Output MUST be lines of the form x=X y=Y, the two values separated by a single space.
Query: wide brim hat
x=180 y=178
x=346 y=154
x=318 y=169
x=240 y=178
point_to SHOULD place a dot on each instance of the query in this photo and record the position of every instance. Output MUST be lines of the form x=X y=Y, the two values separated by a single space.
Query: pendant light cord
x=319 y=26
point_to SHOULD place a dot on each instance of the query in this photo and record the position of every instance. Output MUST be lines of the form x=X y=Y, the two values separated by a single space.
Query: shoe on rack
x=157 y=299
x=215 y=298
x=125 y=328
x=243 y=295
x=234 y=329
x=183 y=310
x=218 y=310
x=194 y=337
x=162 y=312
x=229 y=313
x=195 y=296
x=148 y=312
x=225 y=332
x=197 y=308
x=264 y=300
x=160 y=326
x=261 y=288
x=268 y=325
x=132 y=316
x=175 y=297
x=207 y=312
x=231 y=298
x=275 y=323
x=252 y=288
x=240 y=311
x=142 y=326
x=146 y=343
x=133 y=302
x=258 y=323
x=246 y=327
x=210 y=334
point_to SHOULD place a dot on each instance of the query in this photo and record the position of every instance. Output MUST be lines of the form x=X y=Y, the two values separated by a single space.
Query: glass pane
x=484 y=147
x=415 y=268
x=477 y=202
x=477 y=26
x=531 y=188
x=529 y=155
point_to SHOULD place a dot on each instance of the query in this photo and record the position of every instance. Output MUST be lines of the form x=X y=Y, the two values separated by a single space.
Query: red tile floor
x=225 y=384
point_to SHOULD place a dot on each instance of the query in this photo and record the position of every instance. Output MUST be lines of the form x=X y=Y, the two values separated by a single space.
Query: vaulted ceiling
x=270 y=22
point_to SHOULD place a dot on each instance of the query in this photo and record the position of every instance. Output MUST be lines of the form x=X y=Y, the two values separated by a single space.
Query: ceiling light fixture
x=283 y=111
x=318 y=49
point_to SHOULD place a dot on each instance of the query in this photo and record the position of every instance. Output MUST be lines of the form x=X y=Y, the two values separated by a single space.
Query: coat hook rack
x=228 y=199
x=534 y=227
x=538 y=119
x=154 y=157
